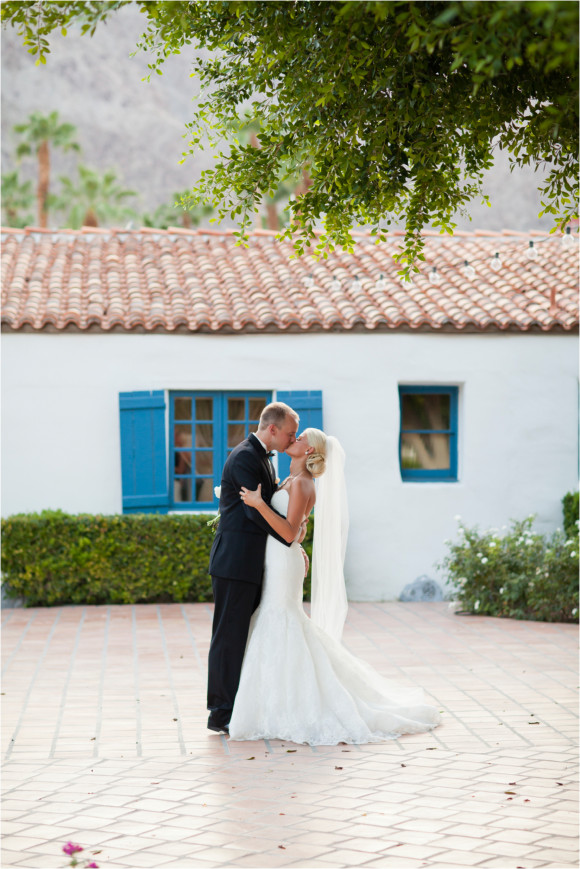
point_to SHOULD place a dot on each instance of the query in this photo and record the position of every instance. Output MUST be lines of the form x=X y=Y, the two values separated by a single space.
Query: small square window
x=428 y=433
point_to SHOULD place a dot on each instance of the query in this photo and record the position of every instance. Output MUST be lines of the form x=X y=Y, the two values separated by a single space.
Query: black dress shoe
x=218 y=728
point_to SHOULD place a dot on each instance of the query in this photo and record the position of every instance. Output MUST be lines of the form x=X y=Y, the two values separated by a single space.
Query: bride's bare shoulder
x=306 y=491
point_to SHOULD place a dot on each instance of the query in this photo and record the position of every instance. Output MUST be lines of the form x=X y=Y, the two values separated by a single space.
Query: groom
x=237 y=555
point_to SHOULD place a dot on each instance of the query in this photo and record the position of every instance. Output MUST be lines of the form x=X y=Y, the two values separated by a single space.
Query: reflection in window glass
x=257 y=405
x=236 y=408
x=182 y=490
x=426 y=411
x=182 y=462
x=204 y=435
x=204 y=490
x=236 y=434
x=183 y=408
x=425 y=451
x=182 y=435
x=203 y=463
x=203 y=408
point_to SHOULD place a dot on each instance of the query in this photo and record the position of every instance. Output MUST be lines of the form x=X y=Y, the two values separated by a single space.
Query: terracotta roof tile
x=200 y=281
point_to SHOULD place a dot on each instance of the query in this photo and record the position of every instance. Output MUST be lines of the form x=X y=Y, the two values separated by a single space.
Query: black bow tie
x=270 y=454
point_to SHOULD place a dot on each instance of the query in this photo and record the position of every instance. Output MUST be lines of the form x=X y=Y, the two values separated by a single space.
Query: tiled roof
x=200 y=281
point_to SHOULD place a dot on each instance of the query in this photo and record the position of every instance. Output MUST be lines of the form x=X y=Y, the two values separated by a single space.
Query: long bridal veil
x=329 y=602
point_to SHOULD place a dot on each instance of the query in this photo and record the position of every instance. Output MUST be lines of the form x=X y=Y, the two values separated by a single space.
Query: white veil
x=329 y=602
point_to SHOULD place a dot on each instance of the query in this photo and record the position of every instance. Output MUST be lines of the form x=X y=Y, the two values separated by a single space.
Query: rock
x=422 y=589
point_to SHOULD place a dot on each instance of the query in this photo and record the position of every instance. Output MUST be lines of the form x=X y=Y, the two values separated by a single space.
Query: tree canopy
x=393 y=109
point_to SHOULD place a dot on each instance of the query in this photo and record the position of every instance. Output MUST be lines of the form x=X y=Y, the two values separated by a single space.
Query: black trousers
x=234 y=601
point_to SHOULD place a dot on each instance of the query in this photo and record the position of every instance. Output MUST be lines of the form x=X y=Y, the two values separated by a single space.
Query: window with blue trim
x=428 y=433
x=204 y=427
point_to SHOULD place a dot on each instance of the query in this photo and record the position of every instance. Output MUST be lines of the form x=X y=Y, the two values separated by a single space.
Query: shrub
x=570 y=508
x=53 y=558
x=520 y=575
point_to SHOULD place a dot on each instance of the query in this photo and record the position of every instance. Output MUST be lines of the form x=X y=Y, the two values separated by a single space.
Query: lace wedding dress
x=301 y=685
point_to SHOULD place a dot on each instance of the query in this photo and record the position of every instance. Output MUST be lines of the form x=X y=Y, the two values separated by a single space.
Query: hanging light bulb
x=567 y=238
x=308 y=281
x=434 y=277
x=356 y=285
x=335 y=285
x=381 y=284
x=468 y=270
x=532 y=252
x=496 y=263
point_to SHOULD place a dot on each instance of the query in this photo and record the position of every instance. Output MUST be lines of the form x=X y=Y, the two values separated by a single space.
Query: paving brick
x=555 y=857
x=459 y=858
x=500 y=863
x=347 y=857
x=398 y=804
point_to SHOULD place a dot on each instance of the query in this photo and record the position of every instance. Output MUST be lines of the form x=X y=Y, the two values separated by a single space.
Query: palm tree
x=95 y=200
x=41 y=132
x=178 y=213
x=16 y=198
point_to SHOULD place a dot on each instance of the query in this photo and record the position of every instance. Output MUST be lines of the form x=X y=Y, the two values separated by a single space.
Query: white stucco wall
x=518 y=425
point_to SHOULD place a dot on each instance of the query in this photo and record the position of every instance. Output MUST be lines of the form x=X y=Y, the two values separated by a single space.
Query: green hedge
x=54 y=558
x=518 y=574
x=570 y=507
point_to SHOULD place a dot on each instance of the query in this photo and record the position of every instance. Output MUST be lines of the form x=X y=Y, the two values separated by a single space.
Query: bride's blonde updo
x=316 y=461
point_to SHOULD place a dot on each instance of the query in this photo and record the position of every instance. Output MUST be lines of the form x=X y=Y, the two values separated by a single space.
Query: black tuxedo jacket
x=239 y=546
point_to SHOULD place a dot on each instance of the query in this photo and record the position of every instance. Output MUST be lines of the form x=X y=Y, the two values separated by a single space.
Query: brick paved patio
x=104 y=744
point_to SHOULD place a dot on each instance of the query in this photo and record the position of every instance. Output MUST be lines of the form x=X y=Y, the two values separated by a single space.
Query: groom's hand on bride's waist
x=306 y=562
x=302 y=532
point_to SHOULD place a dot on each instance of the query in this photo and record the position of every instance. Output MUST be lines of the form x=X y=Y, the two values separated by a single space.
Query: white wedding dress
x=301 y=685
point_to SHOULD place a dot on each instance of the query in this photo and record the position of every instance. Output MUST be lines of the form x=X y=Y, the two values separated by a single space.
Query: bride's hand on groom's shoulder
x=253 y=498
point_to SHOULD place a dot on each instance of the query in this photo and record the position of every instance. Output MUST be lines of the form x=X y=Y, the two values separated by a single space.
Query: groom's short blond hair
x=275 y=414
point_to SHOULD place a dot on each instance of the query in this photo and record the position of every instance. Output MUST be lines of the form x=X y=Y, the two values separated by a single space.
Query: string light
x=468 y=270
x=434 y=277
x=496 y=262
x=532 y=252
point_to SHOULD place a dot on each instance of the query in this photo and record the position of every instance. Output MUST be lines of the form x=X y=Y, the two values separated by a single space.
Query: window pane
x=426 y=411
x=428 y=451
x=204 y=435
x=236 y=434
x=182 y=463
x=204 y=408
x=236 y=408
x=203 y=463
x=182 y=490
x=183 y=408
x=257 y=405
x=182 y=435
x=204 y=490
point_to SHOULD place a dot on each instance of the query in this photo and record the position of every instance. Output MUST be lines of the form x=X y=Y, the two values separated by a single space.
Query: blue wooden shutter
x=143 y=452
x=308 y=405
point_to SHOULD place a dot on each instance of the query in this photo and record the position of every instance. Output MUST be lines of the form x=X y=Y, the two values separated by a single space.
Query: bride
x=298 y=682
